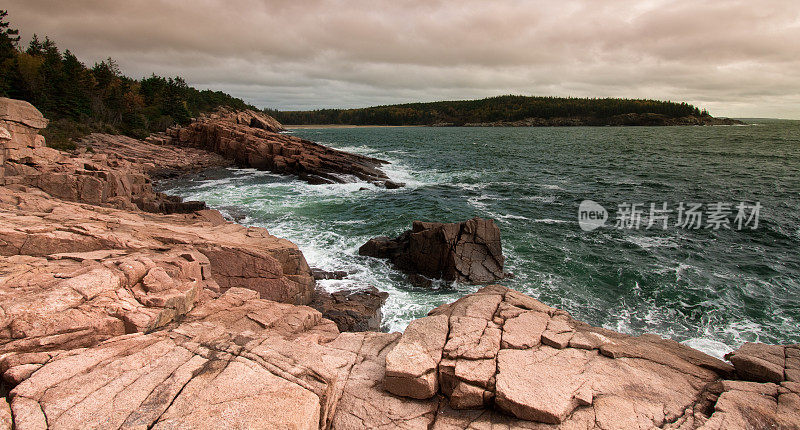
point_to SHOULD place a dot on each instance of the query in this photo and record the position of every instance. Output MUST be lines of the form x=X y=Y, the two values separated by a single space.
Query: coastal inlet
x=710 y=289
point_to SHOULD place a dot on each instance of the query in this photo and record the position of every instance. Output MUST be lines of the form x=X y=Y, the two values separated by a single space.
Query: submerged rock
x=468 y=251
x=322 y=275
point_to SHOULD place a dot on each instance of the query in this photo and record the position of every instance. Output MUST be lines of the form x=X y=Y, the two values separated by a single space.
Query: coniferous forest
x=506 y=108
x=80 y=100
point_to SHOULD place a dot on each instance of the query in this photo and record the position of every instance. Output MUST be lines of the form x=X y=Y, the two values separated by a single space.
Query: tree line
x=501 y=108
x=80 y=100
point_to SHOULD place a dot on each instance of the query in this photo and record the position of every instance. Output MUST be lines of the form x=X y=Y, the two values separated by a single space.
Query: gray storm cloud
x=736 y=58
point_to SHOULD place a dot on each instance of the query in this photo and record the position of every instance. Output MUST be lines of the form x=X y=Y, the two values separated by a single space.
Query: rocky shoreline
x=121 y=307
x=631 y=119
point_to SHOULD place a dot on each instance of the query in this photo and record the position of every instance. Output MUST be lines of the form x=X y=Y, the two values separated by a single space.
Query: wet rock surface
x=468 y=251
x=324 y=275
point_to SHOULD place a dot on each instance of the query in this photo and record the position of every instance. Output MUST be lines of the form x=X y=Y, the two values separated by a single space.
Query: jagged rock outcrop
x=759 y=362
x=468 y=251
x=353 y=311
x=251 y=139
x=45 y=243
x=241 y=361
x=115 y=318
x=77 y=299
x=499 y=349
x=101 y=178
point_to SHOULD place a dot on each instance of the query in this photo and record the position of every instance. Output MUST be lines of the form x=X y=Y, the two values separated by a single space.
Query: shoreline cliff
x=122 y=307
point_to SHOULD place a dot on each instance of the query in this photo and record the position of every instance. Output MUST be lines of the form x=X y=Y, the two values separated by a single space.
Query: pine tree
x=9 y=38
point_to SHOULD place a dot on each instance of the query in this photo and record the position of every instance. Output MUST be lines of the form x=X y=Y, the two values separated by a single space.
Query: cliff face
x=119 y=318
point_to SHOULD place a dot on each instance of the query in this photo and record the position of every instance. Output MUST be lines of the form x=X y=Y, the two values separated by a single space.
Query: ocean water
x=711 y=289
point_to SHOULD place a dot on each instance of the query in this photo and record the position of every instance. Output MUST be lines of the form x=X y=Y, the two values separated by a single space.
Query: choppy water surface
x=710 y=289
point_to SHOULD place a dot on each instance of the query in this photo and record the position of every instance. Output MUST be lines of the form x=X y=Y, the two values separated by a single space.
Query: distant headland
x=514 y=111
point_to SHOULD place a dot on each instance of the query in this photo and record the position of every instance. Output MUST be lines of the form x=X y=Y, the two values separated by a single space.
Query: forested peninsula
x=513 y=110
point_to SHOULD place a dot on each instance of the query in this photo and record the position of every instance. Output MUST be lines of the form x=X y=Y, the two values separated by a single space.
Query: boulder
x=21 y=112
x=766 y=363
x=468 y=251
x=352 y=311
x=411 y=367
x=323 y=275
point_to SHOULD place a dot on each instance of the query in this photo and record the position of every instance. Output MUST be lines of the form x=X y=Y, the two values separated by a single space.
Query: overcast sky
x=735 y=58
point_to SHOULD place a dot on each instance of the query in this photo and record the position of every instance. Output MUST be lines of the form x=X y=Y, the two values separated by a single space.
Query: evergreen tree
x=79 y=100
x=9 y=38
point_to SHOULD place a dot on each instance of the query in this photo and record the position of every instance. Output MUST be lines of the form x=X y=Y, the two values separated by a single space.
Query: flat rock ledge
x=468 y=251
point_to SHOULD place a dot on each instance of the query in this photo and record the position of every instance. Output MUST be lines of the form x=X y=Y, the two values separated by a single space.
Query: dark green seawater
x=710 y=289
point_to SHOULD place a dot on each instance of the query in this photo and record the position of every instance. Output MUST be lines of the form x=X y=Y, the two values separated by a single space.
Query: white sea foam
x=553 y=221
x=711 y=347
x=550 y=186
x=647 y=242
x=507 y=217
x=541 y=199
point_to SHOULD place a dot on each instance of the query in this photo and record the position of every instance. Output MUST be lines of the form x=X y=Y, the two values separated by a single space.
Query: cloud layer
x=736 y=58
